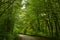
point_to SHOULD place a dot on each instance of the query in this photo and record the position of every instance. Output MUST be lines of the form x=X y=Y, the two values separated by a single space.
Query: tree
x=7 y=17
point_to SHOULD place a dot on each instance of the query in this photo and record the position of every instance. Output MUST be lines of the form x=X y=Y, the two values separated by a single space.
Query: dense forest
x=37 y=18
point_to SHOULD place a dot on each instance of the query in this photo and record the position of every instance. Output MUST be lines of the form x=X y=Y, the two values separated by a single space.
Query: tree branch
x=6 y=8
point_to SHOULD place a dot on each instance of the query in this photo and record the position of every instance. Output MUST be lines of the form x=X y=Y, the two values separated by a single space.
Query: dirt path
x=26 y=37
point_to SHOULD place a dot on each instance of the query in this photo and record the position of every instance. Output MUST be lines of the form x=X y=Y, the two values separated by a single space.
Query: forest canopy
x=30 y=17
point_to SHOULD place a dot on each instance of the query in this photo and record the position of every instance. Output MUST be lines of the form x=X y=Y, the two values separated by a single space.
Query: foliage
x=40 y=18
x=7 y=18
x=31 y=17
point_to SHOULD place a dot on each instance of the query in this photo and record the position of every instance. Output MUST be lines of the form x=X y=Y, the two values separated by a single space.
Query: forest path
x=26 y=37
